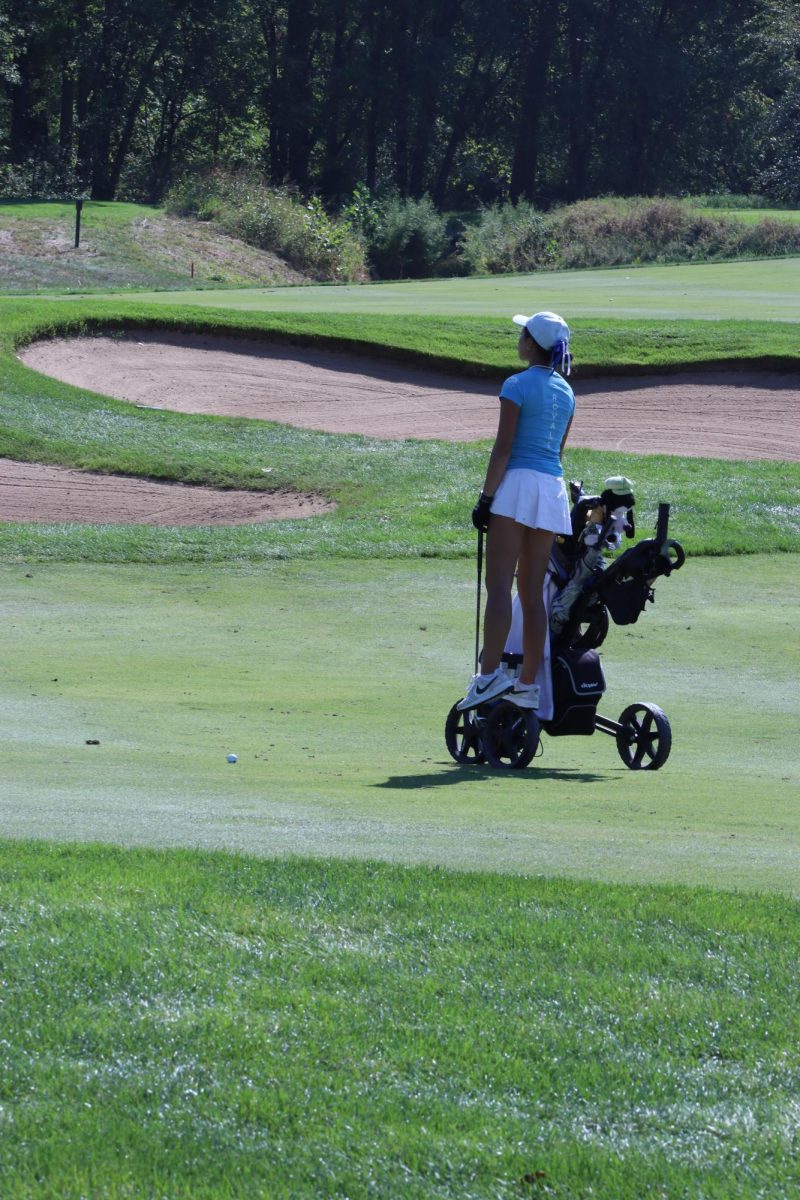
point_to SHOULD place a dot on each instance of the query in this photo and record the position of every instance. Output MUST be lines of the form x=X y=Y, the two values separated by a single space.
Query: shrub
x=610 y=232
x=198 y=196
x=770 y=238
x=273 y=219
x=405 y=238
x=507 y=238
x=38 y=179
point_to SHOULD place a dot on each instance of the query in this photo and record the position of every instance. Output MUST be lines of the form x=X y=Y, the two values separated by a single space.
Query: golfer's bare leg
x=502 y=551
x=537 y=545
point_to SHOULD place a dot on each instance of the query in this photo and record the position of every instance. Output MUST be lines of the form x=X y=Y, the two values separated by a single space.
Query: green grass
x=395 y=499
x=199 y=1026
x=185 y=1023
x=94 y=211
x=766 y=289
x=123 y=246
x=482 y=345
x=752 y=216
x=332 y=681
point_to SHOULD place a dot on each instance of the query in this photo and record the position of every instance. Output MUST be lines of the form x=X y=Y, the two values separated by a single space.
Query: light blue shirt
x=546 y=404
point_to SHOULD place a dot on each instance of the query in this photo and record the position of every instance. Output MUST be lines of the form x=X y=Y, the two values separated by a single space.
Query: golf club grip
x=662 y=524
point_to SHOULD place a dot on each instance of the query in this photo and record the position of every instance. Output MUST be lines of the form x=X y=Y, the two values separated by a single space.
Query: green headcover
x=620 y=485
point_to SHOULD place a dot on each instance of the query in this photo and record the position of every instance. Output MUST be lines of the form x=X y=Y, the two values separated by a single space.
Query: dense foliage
x=273 y=219
x=393 y=237
x=464 y=100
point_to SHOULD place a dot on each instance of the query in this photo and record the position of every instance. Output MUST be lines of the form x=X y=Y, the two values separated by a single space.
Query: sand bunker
x=721 y=414
x=30 y=492
x=729 y=414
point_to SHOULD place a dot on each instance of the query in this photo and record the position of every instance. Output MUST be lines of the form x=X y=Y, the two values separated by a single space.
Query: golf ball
x=232 y=758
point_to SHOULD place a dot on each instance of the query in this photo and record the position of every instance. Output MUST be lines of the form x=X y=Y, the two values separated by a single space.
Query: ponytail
x=560 y=357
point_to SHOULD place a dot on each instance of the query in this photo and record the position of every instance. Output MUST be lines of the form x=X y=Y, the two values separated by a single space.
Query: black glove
x=481 y=512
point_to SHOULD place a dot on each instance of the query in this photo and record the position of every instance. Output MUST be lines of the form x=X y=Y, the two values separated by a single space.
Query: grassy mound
x=124 y=246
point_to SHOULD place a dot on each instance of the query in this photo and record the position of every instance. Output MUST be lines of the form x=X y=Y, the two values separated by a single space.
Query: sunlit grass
x=331 y=679
x=753 y=215
x=206 y=1026
x=698 y=292
x=394 y=498
x=94 y=211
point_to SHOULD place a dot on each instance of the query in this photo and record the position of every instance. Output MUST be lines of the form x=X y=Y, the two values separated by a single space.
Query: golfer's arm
x=501 y=450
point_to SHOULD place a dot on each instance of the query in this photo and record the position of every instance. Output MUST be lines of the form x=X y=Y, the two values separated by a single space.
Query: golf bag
x=588 y=589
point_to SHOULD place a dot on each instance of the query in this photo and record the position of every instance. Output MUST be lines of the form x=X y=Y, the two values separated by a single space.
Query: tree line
x=467 y=101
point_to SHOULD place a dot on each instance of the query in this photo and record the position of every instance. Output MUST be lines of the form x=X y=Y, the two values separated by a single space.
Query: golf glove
x=482 y=511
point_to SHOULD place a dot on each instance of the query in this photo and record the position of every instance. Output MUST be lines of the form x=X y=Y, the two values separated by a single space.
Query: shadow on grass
x=477 y=774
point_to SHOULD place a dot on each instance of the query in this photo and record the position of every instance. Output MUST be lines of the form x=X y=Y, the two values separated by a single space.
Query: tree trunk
x=273 y=96
x=66 y=119
x=586 y=107
x=331 y=181
x=377 y=85
x=535 y=66
x=297 y=94
x=401 y=47
x=432 y=57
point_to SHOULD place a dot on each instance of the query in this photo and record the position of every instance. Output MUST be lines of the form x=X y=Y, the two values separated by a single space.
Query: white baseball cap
x=546 y=328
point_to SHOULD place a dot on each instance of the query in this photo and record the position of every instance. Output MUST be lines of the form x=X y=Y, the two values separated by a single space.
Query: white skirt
x=533 y=498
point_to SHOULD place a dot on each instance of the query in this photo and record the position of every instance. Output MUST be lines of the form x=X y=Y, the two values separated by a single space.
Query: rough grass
x=206 y=1026
x=122 y=246
x=753 y=215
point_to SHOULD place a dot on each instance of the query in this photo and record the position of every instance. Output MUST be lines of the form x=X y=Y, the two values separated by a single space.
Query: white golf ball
x=232 y=758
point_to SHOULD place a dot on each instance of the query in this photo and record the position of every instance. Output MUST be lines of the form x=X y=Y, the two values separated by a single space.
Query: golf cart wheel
x=509 y=735
x=645 y=740
x=591 y=631
x=462 y=737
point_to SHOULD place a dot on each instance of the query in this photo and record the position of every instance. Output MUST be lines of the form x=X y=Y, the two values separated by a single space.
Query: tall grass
x=508 y=237
x=731 y=201
x=613 y=231
x=273 y=219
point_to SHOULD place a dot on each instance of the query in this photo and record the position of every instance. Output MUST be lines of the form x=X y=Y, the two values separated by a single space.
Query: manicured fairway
x=332 y=680
x=767 y=289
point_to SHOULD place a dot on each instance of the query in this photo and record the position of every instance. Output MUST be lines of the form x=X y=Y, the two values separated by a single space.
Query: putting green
x=766 y=289
x=331 y=681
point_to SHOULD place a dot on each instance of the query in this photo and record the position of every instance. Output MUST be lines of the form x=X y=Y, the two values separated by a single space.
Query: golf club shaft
x=478 y=601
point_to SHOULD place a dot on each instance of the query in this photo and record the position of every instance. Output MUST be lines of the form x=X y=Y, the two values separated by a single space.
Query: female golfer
x=523 y=505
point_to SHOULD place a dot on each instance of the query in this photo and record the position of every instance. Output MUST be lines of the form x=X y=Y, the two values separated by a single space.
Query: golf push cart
x=581 y=593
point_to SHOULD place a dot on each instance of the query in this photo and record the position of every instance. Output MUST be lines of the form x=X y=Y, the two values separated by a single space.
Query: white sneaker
x=485 y=687
x=524 y=696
